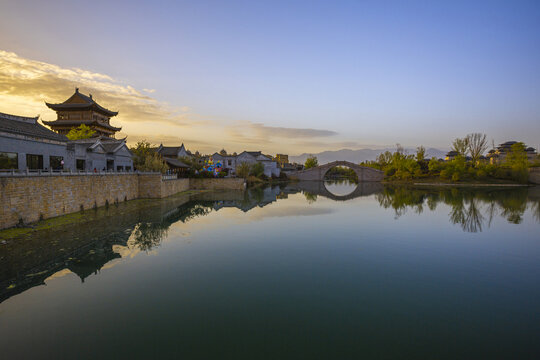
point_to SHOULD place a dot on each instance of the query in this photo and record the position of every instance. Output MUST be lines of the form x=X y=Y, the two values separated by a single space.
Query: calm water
x=303 y=271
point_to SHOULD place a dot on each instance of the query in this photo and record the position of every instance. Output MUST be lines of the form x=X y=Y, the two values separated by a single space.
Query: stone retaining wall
x=534 y=175
x=171 y=187
x=217 y=184
x=31 y=198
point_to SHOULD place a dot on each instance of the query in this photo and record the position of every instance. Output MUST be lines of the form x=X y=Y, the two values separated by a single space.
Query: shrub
x=390 y=171
x=257 y=169
x=520 y=175
x=481 y=174
x=445 y=174
x=434 y=166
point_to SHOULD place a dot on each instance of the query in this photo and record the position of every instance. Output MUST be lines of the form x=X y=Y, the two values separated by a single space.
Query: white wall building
x=230 y=162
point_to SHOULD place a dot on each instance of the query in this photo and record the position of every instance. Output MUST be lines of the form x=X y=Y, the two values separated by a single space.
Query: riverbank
x=25 y=199
x=89 y=216
x=437 y=181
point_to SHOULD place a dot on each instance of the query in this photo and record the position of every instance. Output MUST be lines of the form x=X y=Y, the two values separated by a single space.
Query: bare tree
x=477 y=144
x=460 y=146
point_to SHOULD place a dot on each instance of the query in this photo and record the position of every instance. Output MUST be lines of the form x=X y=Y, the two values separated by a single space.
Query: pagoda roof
x=79 y=101
x=79 y=122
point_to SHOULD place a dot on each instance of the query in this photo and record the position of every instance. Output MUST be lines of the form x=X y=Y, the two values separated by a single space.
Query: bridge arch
x=317 y=173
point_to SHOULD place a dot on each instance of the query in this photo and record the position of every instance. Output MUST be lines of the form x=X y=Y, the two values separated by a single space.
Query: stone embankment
x=29 y=198
x=534 y=175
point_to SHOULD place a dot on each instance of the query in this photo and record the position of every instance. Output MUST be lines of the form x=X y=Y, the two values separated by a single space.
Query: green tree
x=384 y=159
x=461 y=146
x=146 y=159
x=81 y=132
x=193 y=162
x=223 y=152
x=434 y=165
x=517 y=157
x=420 y=153
x=311 y=162
x=257 y=169
x=243 y=170
x=517 y=160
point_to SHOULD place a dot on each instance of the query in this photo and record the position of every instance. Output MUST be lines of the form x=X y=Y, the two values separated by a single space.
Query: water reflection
x=85 y=248
x=346 y=190
x=472 y=208
x=341 y=187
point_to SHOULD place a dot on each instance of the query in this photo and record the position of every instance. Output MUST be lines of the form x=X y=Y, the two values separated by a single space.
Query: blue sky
x=365 y=73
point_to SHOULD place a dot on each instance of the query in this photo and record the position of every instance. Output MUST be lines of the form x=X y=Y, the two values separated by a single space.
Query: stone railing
x=17 y=173
x=169 y=177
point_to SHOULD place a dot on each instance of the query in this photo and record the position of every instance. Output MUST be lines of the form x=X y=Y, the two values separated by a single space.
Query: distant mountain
x=356 y=156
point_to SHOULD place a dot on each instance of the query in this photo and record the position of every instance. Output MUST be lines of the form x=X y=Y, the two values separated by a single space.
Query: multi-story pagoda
x=81 y=109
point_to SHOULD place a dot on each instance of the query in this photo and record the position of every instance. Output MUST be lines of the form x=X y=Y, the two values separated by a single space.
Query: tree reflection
x=535 y=208
x=148 y=235
x=311 y=198
x=470 y=208
x=473 y=217
x=400 y=199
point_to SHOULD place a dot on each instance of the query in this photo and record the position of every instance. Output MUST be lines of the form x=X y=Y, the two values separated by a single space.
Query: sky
x=281 y=76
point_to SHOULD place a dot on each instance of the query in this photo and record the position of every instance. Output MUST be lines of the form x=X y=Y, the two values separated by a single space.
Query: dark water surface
x=300 y=271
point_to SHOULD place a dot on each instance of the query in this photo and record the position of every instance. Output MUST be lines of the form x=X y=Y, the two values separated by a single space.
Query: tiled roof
x=175 y=163
x=27 y=126
x=79 y=122
x=254 y=153
x=87 y=102
x=169 y=150
x=108 y=144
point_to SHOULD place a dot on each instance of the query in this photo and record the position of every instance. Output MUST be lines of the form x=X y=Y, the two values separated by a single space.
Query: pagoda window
x=34 y=162
x=80 y=163
x=57 y=162
x=9 y=161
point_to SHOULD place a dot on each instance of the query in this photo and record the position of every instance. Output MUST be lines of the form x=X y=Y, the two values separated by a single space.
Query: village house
x=173 y=151
x=99 y=154
x=227 y=161
x=26 y=144
x=230 y=162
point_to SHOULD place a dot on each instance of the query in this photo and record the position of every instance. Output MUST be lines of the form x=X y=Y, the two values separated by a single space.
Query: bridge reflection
x=320 y=189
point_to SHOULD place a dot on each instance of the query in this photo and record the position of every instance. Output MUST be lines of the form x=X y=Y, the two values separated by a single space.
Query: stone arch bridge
x=317 y=173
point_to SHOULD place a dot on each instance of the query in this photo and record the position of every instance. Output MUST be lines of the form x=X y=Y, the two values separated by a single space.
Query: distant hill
x=356 y=156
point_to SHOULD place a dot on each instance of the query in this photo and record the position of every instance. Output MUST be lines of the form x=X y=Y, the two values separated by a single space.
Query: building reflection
x=87 y=247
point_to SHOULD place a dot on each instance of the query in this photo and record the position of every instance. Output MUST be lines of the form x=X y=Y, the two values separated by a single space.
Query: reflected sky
x=255 y=274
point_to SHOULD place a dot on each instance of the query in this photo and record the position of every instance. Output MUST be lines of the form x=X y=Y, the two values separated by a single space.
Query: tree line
x=466 y=165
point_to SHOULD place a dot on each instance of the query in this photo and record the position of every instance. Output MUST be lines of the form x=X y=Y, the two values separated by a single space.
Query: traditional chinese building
x=498 y=155
x=81 y=109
